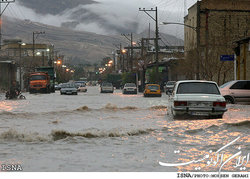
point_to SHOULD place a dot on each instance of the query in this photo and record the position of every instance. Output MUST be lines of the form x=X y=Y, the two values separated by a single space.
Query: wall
x=7 y=74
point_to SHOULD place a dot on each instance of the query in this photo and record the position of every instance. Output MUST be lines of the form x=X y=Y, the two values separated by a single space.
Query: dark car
x=169 y=87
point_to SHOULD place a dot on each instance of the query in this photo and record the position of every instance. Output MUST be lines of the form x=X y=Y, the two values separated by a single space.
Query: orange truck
x=39 y=82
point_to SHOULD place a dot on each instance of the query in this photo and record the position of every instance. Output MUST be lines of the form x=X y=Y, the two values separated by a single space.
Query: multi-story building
x=26 y=57
x=215 y=26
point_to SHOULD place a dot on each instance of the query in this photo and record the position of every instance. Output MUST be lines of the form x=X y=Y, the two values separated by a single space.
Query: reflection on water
x=6 y=106
x=198 y=138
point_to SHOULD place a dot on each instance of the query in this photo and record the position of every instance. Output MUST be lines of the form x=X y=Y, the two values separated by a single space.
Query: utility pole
x=156 y=37
x=130 y=63
x=132 y=53
x=120 y=62
x=7 y=2
x=206 y=40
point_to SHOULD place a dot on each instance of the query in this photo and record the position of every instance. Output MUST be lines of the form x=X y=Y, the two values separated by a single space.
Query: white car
x=68 y=88
x=129 y=88
x=197 y=98
x=82 y=88
x=236 y=91
x=107 y=88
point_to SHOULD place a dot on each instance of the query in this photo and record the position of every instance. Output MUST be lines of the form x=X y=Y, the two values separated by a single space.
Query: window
x=226 y=84
x=248 y=85
x=130 y=85
x=197 y=88
x=37 y=77
x=240 y=85
x=153 y=87
x=171 y=82
x=107 y=84
x=67 y=85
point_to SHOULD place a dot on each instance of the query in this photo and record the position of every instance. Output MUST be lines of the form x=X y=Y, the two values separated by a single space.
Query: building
x=169 y=58
x=27 y=57
x=28 y=54
x=215 y=26
x=7 y=74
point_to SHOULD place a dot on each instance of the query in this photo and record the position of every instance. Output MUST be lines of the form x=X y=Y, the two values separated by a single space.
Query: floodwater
x=116 y=132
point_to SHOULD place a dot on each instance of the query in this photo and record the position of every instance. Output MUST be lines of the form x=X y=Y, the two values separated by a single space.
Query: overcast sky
x=115 y=15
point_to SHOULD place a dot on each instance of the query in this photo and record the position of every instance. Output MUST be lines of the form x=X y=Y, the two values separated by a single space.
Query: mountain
x=79 y=45
x=87 y=46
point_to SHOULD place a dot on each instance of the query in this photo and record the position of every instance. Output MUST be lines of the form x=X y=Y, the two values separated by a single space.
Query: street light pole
x=198 y=42
x=177 y=23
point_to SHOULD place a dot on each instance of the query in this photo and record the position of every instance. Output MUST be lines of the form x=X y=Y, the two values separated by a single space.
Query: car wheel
x=229 y=99
x=220 y=116
x=174 y=117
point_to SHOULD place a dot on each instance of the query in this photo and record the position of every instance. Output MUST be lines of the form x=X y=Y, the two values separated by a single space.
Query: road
x=114 y=132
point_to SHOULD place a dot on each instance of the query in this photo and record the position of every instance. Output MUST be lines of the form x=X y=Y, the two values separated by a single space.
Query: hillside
x=84 y=46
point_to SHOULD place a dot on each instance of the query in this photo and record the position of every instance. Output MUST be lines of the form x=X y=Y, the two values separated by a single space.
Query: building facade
x=26 y=57
x=217 y=25
x=243 y=59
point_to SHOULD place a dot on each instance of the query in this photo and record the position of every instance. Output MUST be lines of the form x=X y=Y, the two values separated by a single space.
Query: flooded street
x=115 y=132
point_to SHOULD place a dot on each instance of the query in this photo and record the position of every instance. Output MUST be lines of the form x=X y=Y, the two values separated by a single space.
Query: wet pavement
x=116 y=132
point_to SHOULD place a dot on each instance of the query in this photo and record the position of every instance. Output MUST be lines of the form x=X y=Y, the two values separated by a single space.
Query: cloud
x=108 y=16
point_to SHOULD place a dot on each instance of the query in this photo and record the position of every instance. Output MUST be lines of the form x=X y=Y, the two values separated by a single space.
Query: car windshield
x=226 y=84
x=37 y=77
x=107 y=84
x=171 y=83
x=197 y=88
x=67 y=86
x=153 y=87
x=130 y=85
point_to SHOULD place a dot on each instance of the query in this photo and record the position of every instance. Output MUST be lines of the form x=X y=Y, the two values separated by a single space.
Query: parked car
x=58 y=87
x=169 y=87
x=129 y=88
x=107 y=88
x=236 y=91
x=82 y=88
x=152 y=90
x=197 y=98
x=68 y=88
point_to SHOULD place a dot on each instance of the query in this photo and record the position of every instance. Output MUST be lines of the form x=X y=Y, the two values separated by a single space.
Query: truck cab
x=39 y=82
